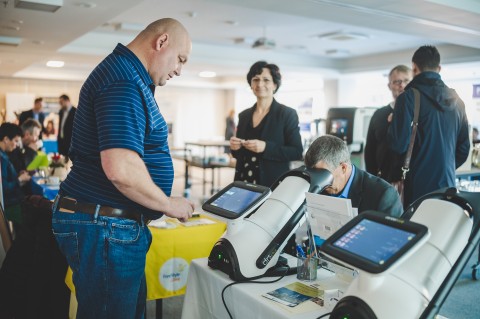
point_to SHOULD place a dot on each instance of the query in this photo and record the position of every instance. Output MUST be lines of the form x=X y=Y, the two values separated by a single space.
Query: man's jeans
x=107 y=256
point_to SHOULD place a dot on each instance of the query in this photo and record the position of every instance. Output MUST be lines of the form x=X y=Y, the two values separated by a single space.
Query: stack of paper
x=327 y=214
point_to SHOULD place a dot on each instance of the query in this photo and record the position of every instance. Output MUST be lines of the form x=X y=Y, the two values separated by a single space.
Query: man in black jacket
x=379 y=159
x=366 y=191
x=65 y=125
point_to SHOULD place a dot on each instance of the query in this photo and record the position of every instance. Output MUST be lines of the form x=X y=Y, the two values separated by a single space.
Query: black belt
x=73 y=205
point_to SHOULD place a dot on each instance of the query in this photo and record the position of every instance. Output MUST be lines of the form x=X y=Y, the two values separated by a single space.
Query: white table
x=203 y=299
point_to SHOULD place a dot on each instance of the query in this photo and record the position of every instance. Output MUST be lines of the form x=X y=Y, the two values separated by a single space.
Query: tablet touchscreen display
x=235 y=199
x=373 y=241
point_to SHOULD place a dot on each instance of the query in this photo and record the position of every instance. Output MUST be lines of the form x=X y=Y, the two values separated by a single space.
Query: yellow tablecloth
x=169 y=257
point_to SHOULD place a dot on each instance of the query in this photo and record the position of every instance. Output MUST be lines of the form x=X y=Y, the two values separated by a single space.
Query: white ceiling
x=222 y=31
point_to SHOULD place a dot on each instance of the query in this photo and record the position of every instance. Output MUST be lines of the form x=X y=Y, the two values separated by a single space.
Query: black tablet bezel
x=362 y=263
x=262 y=190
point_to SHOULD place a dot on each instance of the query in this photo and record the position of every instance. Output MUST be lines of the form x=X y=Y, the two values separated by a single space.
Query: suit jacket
x=379 y=159
x=369 y=192
x=283 y=142
x=29 y=114
x=64 y=143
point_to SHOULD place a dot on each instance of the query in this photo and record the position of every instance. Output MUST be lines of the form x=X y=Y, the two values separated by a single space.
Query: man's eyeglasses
x=398 y=82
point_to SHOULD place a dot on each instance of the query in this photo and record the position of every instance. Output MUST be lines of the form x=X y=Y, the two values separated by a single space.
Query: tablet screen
x=236 y=199
x=373 y=241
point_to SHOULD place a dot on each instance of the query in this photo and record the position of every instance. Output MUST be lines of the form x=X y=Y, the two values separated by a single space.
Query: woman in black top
x=268 y=135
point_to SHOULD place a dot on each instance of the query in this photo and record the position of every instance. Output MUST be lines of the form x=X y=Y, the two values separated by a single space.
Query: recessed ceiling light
x=233 y=22
x=338 y=53
x=126 y=26
x=86 y=5
x=342 y=36
x=55 y=64
x=11 y=27
x=207 y=74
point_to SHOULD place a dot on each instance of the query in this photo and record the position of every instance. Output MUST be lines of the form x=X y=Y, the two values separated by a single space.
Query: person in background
x=10 y=135
x=475 y=137
x=442 y=142
x=230 y=127
x=65 y=125
x=35 y=113
x=23 y=155
x=122 y=173
x=50 y=130
x=366 y=191
x=379 y=159
x=268 y=134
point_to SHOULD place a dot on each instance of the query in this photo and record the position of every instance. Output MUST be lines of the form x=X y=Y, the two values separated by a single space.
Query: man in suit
x=35 y=113
x=65 y=125
x=379 y=159
x=366 y=191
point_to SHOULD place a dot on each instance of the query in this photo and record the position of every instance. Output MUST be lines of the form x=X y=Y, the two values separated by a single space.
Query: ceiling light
x=233 y=22
x=86 y=5
x=125 y=26
x=342 y=36
x=55 y=64
x=15 y=41
x=337 y=53
x=264 y=44
x=39 y=5
x=207 y=74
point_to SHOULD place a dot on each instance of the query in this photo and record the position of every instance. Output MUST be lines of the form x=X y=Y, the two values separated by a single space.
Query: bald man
x=122 y=173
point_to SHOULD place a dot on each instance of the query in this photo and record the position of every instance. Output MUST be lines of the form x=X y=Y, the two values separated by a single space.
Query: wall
x=196 y=113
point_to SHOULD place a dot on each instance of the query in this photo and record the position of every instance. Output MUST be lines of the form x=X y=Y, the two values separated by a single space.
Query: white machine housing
x=252 y=245
x=405 y=290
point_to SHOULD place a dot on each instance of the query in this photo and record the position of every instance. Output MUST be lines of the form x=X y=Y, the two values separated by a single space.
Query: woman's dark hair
x=10 y=130
x=257 y=68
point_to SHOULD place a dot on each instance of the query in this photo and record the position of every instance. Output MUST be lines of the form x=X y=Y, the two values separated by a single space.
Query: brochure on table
x=302 y=297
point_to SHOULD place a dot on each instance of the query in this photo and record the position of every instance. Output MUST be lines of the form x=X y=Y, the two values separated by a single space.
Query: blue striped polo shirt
x=117 y=109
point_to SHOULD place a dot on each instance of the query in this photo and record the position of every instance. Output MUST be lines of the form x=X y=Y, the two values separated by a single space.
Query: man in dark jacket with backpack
x=442 y=140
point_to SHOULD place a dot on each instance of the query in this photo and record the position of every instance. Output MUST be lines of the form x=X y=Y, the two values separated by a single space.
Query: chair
x=32 y=277
x=5 y=231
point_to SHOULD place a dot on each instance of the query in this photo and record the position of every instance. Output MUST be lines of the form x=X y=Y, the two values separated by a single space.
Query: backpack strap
x=416 y=112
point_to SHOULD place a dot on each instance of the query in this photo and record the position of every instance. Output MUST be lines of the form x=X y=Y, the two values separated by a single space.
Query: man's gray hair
x=328 y=149
x=29 y=125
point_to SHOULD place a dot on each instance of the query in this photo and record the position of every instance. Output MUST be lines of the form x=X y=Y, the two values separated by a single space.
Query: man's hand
x=180 y=208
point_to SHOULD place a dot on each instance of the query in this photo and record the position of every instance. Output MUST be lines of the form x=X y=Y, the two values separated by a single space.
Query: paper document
x=327 y=214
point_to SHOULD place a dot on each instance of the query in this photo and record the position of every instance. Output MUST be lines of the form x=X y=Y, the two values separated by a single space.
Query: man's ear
x=162 y=41
x=415 y=69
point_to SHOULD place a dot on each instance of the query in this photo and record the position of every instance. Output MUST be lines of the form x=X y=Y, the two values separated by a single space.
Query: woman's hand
x=235 y=143
x=255 y=146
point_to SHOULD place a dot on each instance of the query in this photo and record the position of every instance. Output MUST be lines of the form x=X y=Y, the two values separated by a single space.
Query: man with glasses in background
x=379 y=159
